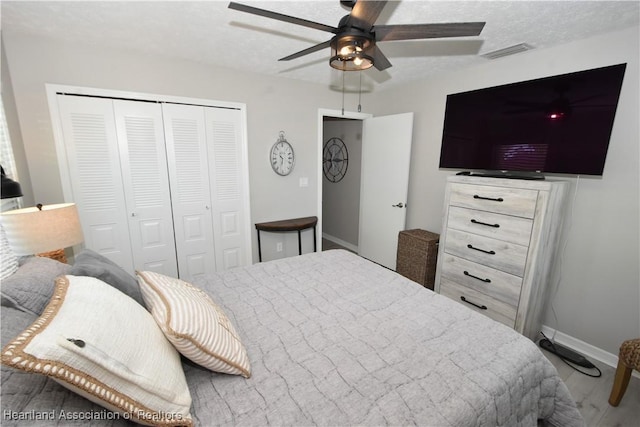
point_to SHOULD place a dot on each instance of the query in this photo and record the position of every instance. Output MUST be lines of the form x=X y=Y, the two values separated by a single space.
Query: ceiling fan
x=353 y=47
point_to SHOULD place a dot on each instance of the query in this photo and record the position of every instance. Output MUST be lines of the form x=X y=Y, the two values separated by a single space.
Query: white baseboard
x=584 y=348
x=340 y=242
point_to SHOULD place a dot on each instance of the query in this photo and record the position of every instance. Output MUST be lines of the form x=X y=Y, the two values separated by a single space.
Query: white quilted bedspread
x=336 y=340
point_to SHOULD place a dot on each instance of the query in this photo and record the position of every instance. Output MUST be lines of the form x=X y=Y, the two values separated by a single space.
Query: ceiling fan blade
x=379 y=60
x=426 y=31
x=281 y=17
x=307 y=51
x=365 y=12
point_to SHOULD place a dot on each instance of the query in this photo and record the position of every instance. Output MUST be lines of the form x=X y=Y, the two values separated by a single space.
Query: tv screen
x=558 y=124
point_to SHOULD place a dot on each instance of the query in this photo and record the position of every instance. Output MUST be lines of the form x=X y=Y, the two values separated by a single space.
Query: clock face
x=335 y=159
x=282 y=158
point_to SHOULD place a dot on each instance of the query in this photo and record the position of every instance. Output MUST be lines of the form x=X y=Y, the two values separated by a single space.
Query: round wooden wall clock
x=282 y=156
x=335 y=159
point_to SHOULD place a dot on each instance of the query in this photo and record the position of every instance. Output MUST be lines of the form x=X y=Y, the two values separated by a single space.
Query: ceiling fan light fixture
x=348 y=53
x=353 y=62
x=349 y=49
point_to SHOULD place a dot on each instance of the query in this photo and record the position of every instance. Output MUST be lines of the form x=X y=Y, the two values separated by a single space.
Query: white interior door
x=386 y=153
x=93 y=163
x=146 y=185
x=190 y=190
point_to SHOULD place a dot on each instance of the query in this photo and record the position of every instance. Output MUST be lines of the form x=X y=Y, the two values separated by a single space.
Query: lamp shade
x=31 y=230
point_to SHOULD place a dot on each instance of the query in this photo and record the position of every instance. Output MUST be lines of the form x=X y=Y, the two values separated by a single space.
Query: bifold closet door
x=118 y=168
x=186 y=145
x=143 y=160
x=228 y=190
x=93 y=160
x=160 y=187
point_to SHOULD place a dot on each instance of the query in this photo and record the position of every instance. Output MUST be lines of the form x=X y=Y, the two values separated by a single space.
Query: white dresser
x=498 y=244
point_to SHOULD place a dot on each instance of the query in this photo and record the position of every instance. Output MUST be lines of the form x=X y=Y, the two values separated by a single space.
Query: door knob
x=399 y=205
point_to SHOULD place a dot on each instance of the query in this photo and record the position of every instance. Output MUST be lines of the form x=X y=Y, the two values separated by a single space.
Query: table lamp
x=43 y=230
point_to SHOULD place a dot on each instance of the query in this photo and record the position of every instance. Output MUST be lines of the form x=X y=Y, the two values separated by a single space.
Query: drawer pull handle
x=484 y=223
x=466 y=273
x=499 y=199
x=481 y=307
x=481 y=250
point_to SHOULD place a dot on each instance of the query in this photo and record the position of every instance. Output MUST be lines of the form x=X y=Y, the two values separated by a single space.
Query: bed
x=334 y=339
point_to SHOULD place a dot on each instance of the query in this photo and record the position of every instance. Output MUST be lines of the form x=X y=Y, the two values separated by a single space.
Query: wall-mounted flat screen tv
x=558 y=124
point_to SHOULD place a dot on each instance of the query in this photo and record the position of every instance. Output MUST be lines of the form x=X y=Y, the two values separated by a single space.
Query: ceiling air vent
x=511 y=50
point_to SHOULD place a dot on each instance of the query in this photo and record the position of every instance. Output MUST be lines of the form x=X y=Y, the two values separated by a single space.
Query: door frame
x=322 y=113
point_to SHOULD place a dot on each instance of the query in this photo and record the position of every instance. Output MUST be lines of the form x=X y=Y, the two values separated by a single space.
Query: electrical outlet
x=279 y=247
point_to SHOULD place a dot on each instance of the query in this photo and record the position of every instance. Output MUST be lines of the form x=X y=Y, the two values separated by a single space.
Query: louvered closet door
x=146 y=185
x=190 y=191
x=224 y=136
x=94 y=168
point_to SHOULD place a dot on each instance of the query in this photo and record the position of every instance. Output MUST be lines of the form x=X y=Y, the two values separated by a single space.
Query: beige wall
x=598 y=297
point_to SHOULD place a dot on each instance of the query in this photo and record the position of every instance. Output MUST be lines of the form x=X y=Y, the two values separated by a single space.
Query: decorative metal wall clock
x=335 y=159
x=282 y=156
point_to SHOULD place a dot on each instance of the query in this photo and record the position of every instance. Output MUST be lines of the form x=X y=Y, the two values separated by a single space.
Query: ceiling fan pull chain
x=343 y=92
x=360 y=93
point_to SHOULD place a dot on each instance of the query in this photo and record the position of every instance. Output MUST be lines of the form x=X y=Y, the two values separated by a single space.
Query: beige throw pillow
x=101 y=344
x=196 y=326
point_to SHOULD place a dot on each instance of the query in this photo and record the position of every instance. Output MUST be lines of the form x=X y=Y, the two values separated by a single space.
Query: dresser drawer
x=497 y=310
x=486 y=280
x=509 y=201
x=497 y=226
x=498 y=254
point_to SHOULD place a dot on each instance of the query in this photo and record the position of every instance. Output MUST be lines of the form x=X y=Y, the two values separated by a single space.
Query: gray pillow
x=92 y=264
x=29 y=289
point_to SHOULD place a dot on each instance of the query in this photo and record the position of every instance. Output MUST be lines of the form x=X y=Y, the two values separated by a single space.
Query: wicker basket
x=417 y=255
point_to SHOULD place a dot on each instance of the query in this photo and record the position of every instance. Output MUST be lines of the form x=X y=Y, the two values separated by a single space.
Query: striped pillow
x=194 y=324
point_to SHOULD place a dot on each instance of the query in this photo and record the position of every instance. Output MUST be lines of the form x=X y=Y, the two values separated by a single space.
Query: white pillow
x=194 y=324
x=101 y=344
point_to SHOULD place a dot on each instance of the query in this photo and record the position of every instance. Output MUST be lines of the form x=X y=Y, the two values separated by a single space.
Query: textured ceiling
x=209 y=32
